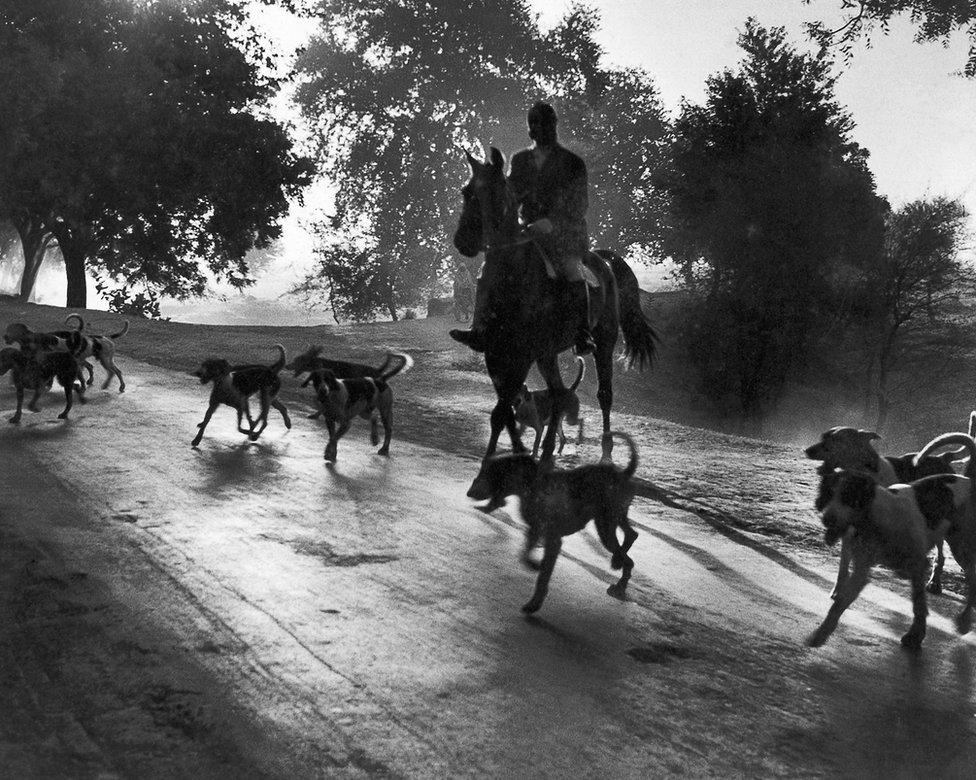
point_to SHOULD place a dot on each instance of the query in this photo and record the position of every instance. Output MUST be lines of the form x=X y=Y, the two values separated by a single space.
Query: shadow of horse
x=528 y=321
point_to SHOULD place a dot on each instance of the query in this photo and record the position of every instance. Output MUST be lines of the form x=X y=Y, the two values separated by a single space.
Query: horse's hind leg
x=604 y=393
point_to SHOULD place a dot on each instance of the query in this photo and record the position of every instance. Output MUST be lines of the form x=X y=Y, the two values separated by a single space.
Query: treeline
x=138 y=144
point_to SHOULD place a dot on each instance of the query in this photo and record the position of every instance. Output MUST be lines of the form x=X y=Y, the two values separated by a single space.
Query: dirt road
x=245 y=610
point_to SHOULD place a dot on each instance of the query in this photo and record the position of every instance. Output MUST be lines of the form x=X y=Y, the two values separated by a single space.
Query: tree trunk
x=34 y=239
x=74 y=268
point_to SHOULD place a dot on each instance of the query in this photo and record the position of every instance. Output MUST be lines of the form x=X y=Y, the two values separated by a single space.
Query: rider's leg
x=579 y=304
x=475 y=336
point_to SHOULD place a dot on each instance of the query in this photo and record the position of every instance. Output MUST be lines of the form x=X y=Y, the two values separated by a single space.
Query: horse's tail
x=640 y=339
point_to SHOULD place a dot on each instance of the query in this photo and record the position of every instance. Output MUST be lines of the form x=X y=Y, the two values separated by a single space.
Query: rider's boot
x=580 y=312
x=476 y=336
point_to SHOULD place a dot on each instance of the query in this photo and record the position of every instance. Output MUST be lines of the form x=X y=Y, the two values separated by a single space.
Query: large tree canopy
x=769 y=196
x=935 y=20
x=140 y=143
x=396 y=90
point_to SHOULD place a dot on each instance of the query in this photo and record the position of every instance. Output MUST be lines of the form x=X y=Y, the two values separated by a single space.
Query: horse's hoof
x=531 y=607
x=617 y=592
x=913 y=640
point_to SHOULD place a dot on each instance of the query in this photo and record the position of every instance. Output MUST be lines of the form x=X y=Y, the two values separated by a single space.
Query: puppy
x=312 y=360
x=849 y=448
x=558 y=503
x=38 y=370
x=102 y=348
x=342 y=400
x=897 y=527
x=533 y=409
x=234 y=385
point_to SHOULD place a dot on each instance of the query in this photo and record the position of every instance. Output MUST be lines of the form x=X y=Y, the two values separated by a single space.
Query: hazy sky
x=917 y=118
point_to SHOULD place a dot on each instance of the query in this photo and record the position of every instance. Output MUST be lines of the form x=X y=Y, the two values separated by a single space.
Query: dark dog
x=72 y=341
x=898 y=527
x=311 y=360
x=234 y=385
x=102 y=348
x=38 y=370
x=850 y=449
x=342 y=400
x=558 y=503
x=533 y=408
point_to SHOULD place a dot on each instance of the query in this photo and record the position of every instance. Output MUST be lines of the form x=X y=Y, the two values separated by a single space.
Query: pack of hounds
x=892 y=511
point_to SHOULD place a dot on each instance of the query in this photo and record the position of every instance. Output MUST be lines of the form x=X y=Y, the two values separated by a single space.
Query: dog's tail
x=631 y=467
x=579 y=376
x=280 y=363
x=73 y=316
x=395 y=363
x=946 y=439
x=121 y=333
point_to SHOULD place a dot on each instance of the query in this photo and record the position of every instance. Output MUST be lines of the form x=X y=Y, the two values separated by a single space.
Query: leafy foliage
x=396 y=90
x=144 y=150
x=936 y=20
x=768 y=197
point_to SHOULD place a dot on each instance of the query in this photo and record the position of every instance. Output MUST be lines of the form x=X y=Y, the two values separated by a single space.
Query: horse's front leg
x=604 y=393
x=549 y=368
x=507 y=385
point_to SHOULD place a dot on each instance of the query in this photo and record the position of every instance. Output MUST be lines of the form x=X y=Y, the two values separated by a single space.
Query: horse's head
x=489 y=212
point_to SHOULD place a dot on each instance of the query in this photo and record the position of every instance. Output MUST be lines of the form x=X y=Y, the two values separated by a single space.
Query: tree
x=145 y=154
x=397 y=89
x=911 y=296
x=936 y=20
x=767 y=195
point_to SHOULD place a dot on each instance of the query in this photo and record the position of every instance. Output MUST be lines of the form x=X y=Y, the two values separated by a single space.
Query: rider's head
x=542 y=124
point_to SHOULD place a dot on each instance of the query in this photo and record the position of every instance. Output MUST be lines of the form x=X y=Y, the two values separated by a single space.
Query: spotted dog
x=533 y=409
x=234 y=385
x=342 y=400
x=557 y=503
x=849 y=448
x=102 y=348
x=71 y=341
x=311 y=360
x=897 y=527
x=37 y=371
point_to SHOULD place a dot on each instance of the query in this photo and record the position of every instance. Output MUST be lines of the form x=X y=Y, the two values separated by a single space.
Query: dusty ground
x=135 y=646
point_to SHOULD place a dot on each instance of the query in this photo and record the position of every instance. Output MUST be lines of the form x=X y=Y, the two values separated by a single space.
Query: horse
x=526 y=307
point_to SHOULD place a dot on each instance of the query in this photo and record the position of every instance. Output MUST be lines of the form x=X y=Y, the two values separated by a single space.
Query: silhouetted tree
x=768 y=194
x=397 y=89
x=140 y=144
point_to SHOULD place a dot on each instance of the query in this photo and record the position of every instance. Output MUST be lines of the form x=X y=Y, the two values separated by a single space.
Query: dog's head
x=323 y=379
x=502 y=476
x=304 y=361
x=17 y=333
x=843 y=499
x=844 y=447
x=211 y=369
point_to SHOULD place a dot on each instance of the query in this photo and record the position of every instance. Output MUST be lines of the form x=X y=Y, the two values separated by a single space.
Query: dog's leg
x=920 y=610
x=90 y=370
x=262 y=421
x=282 y=411
x=202 y=425
x=335 y=433
x=935 y=581
x=374 y=428
x=538 y=439
x=386 y=415
x=68 y=387
x=38 y=389
x=20 y=403
x=553 y=546
x=532 y=536
x=562 y=436
x=844 y=564
x=853 y=585
x=108 y=363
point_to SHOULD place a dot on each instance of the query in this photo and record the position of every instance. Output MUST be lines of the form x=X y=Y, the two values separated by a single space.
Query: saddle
x=587 y=273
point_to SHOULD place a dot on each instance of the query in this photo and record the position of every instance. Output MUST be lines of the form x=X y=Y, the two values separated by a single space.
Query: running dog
x=37 y=371
x=234 y=385
x=102 y=348
x=533 y=409
x=897 y=527
x=342 y=400
x=72 y=341
x=557 y=503
x=311 y=360
x=849 y=448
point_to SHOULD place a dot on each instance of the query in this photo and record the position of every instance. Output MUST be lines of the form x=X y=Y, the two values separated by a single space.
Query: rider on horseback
x=549 y=183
